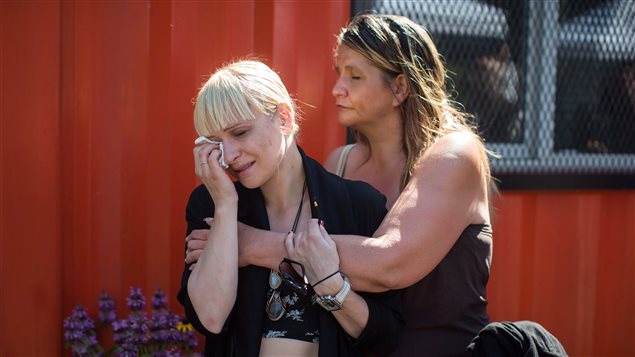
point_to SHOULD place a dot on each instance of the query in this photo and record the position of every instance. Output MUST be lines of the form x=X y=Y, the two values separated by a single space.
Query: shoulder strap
x=341 y=162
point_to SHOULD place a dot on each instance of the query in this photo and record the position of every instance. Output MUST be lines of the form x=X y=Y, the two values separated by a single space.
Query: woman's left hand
x=314 y=249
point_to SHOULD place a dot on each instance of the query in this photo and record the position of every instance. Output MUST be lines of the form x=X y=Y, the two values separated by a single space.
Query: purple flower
x=120 y=329
x=128 y=350
x=160 y=327
x=106 y=304
x=124 y=338
x=79 y=333
x=173 y=352
x=185 y=334
x=138 y=323
x=164 y=334
x=136 y=300
x=78 y=324
x=159 y=300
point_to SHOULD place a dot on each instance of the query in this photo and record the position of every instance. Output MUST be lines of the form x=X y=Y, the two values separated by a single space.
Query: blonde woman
x=248 y=122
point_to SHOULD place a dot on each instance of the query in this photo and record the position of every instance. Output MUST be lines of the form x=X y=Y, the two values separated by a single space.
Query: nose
x=338 y=88
x=231 y=152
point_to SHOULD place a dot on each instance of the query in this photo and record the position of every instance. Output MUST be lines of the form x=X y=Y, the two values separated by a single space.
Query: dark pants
x=521 y=338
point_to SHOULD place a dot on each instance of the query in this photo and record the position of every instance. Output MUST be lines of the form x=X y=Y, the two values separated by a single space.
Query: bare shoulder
x=331 y=161
x=457 y=144
x=456 y=147
x=455 y=158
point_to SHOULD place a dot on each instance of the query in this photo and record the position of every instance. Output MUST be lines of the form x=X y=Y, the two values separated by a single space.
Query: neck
x=284 y=188
x=385 y=140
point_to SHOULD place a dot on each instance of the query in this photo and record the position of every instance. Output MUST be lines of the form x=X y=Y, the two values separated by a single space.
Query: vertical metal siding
x=30 y=214
x=97 y=136
x=566 y=260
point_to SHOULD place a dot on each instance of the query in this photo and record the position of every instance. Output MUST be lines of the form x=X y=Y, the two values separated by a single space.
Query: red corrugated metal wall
x=96 y=166
x=97 y=136
x=566 y=260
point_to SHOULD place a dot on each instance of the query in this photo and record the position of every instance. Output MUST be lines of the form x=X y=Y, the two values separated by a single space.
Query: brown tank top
x=447 y=308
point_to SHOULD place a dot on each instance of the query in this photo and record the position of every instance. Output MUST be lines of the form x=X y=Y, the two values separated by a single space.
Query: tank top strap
x=341 y=162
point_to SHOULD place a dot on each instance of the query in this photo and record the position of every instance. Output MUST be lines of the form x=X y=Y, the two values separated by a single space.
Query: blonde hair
x=237 y=91
x=397 y=45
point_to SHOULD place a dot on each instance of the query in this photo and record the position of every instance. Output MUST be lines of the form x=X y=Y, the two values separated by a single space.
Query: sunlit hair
x=239 y=91
x=396 y=45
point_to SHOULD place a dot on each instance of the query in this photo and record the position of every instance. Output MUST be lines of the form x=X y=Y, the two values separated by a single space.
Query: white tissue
x=221 y=160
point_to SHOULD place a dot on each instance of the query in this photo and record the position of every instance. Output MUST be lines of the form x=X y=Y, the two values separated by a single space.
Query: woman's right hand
x=314 y=249
x=214 y=177
x=195 y=243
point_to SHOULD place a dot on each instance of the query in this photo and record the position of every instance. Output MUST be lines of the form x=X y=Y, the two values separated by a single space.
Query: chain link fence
x=551 y=84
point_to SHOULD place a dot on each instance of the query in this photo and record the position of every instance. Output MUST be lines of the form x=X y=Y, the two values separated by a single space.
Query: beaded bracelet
x=316 y=284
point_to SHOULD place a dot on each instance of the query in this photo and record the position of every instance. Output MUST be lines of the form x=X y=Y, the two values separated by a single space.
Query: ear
x=286 y=118
x=399 y=86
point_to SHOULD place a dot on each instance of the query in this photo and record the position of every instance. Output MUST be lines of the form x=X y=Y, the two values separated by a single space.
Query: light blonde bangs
x=221 y=102
x=236 y=92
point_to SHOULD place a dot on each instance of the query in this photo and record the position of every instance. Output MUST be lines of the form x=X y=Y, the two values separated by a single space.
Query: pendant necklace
x=275 y=307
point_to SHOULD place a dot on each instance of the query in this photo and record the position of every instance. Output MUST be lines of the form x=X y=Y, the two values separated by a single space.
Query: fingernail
x=322 y=223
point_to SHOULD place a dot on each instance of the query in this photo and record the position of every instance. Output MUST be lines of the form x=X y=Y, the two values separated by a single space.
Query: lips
x=243 y=168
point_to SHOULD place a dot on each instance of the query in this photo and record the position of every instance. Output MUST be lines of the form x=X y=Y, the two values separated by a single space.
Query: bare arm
x=255 y=246
x=218 y=262
x=447 y=192
x=216 y=267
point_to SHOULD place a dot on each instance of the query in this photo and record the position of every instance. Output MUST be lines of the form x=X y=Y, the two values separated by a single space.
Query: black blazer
x=347 y=207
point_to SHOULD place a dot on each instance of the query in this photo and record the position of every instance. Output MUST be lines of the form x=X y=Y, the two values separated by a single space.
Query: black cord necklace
x=297 y=215
x=275 y=307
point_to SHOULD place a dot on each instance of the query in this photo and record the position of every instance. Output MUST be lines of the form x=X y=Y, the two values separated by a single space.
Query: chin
x=347 y=122
x=250 y=183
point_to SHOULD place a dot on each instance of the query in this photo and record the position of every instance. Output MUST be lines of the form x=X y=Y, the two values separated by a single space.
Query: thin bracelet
x=316 y=284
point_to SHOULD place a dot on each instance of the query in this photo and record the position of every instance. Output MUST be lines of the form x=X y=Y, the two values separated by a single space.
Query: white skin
x=259 y=155
x=446 y=193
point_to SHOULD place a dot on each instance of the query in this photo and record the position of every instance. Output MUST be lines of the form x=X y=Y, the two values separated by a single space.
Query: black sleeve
x=369 y=207
x=385 y=316
x=199 y=206
x=385 y=323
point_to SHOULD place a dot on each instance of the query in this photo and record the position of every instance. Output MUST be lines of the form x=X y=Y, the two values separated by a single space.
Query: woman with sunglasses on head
x=416 y=148
x=247 y=121
x=420 y=151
